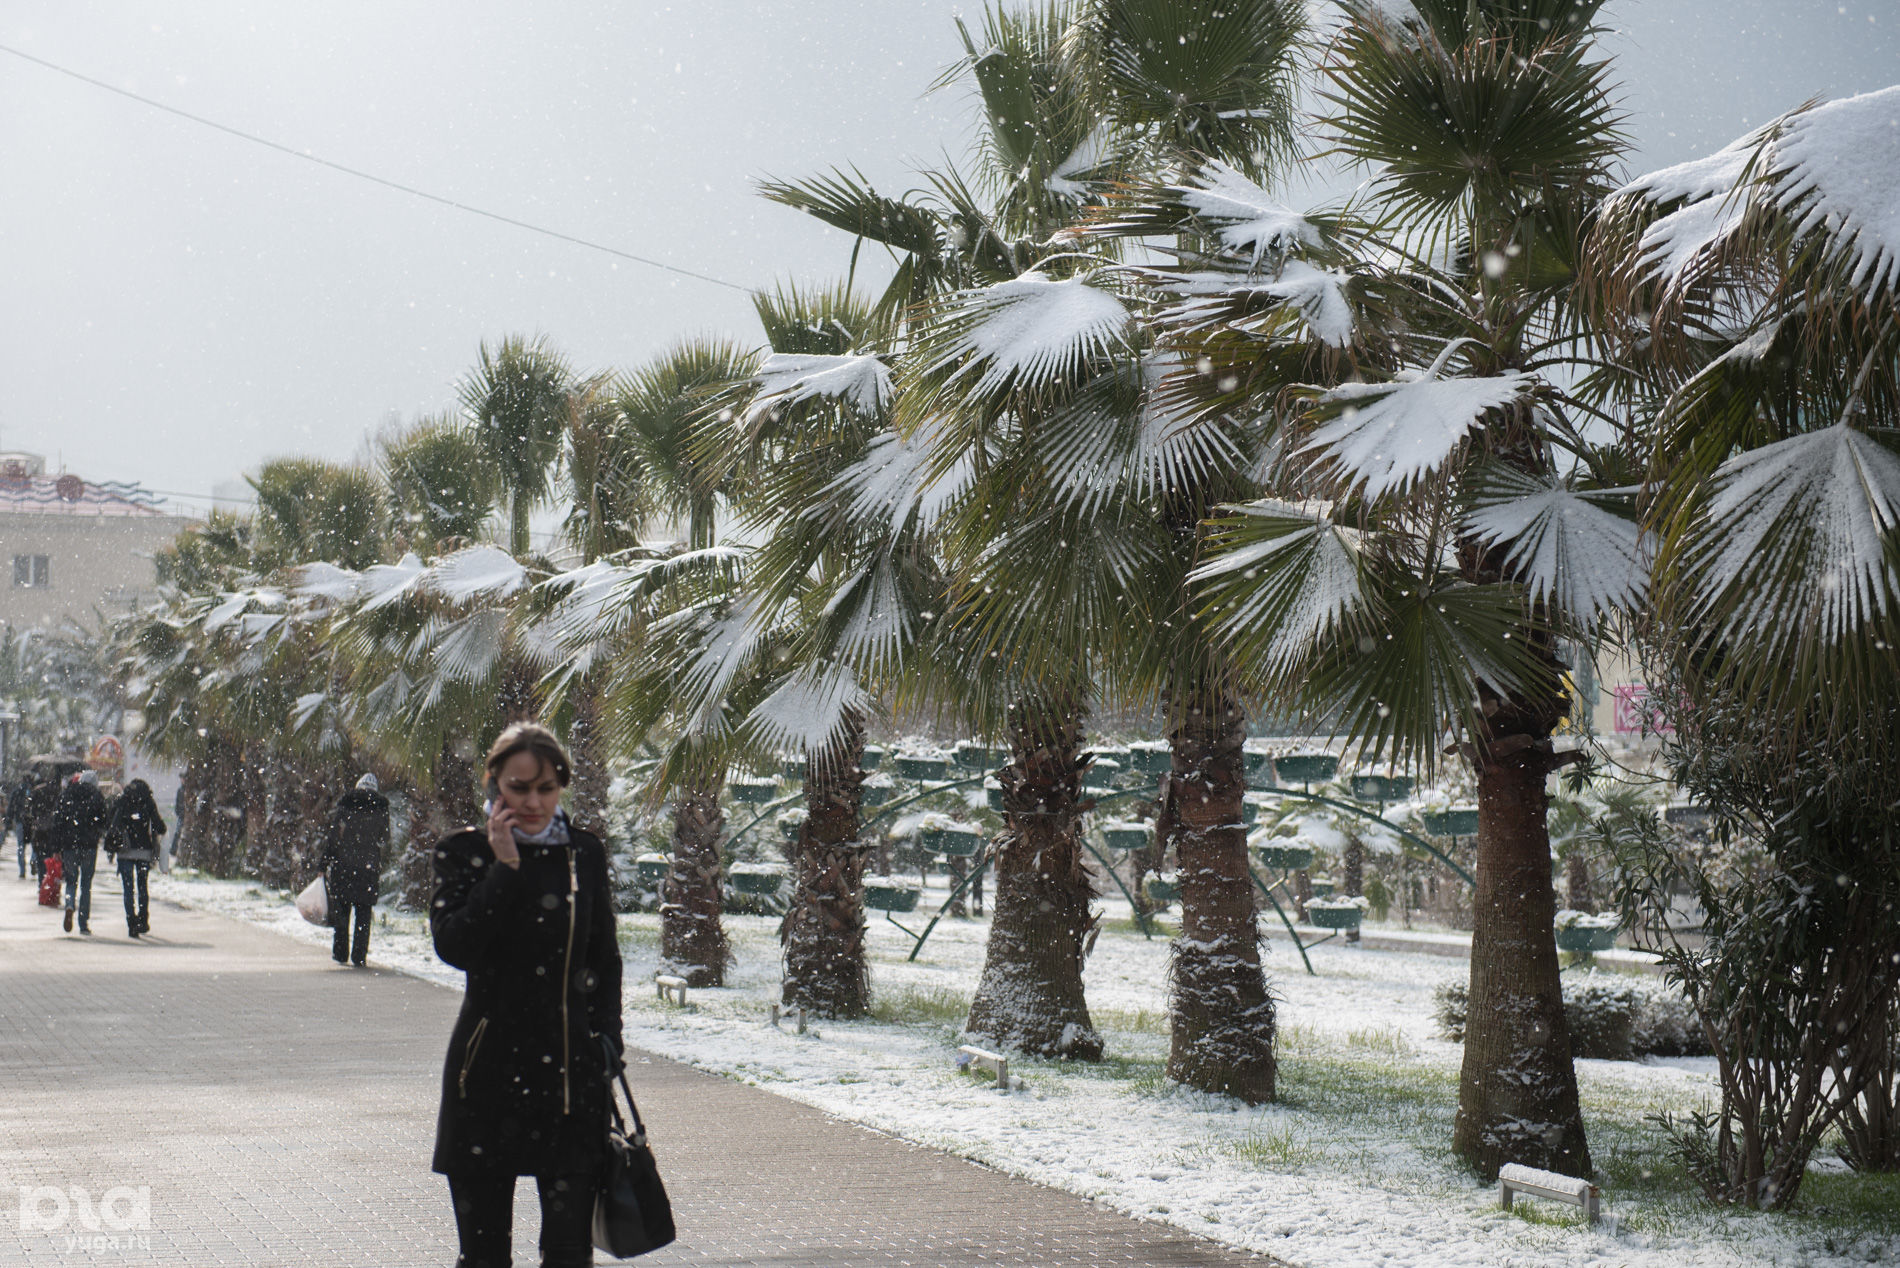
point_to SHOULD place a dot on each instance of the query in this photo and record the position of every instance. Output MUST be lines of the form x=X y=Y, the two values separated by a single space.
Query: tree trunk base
x=1517 y=1092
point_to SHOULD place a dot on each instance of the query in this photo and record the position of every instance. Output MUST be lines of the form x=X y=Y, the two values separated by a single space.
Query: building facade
x=72 y=548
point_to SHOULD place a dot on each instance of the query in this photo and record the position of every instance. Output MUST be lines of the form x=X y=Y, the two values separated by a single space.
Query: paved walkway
x=281 y=1111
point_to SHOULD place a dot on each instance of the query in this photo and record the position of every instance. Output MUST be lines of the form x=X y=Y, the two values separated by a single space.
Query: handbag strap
x=639 y=1136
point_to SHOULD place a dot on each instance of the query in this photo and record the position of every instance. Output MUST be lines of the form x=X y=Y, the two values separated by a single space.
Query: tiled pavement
x=281 y=1110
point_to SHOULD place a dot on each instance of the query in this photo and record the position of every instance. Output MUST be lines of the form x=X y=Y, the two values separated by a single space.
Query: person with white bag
x=352 y=864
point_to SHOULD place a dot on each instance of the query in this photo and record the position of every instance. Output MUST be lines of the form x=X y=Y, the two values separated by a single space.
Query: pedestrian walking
x=523 y=906
x=41 y=801
x=79 y=820
x=133 y=834
x=352 y=863
x=17 y=797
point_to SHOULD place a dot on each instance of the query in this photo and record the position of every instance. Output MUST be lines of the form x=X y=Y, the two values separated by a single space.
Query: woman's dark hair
x=529 y=737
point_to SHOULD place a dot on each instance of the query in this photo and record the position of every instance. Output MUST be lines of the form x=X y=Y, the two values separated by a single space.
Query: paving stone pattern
x=281 y=1110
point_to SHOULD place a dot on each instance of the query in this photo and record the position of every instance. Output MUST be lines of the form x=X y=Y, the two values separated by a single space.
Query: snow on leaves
x=1836 y=168
x=1246 y=217
x=862 y=382
x=1031 y=330
x=1317 y=296
x=1294 y=578
x=1831 y=170
x=1563 y=544
x=892 y=482
x=1388 y=436
x=805 y=712
x=1800 y=538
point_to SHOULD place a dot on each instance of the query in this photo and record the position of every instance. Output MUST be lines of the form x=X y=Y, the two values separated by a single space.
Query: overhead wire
x=370 y=176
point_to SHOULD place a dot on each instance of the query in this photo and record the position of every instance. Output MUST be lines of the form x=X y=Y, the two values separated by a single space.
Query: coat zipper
x=468 y=1056
x=567 y=971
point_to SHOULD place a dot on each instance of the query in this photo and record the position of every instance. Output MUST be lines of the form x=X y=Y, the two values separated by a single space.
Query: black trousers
x=341 y=919
x=485 y=1216
x=138 y=907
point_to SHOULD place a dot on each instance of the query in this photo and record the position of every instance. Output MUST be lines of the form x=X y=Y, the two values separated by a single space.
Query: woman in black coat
x=524 y=907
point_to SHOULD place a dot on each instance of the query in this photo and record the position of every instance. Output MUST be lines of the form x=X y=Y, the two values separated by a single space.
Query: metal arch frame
x=984 y=859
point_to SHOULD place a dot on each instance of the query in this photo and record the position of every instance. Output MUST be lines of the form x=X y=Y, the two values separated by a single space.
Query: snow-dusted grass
x=1349 y=1168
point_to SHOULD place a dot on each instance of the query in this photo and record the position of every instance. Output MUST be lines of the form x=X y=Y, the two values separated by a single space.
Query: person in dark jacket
x=523 y=906
x=79 y=820
x=17 y=797
x=133 y=836
x=41 y=803
x=352 y=864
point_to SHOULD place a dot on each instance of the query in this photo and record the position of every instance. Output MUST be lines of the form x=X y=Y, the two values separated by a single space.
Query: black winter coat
x=353 y=846
x=79 y=818
x=524 y=1089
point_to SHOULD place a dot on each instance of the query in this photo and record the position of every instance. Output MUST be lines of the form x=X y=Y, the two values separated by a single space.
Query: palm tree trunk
x=273 y=847
x=1354 y=880
x=692 y=933
x=1223 y=1017
x=1577 y=881
x=1517 y=1094
x=192 y=844
x=451 y=804
x=1030 y=996
x=823 y=933
x=587 y=797
x=518 y=526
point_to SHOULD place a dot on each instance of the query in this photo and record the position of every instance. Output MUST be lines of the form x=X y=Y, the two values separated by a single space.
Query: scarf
x=554 y=834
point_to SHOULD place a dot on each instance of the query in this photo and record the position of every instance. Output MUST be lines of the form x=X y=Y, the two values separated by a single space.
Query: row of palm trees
x=1124 y=428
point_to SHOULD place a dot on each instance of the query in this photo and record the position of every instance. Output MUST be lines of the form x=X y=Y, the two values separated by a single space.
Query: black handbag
x=631 y=1213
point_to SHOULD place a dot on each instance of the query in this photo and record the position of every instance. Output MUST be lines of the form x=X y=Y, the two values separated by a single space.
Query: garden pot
x=1305 y=768
x=1333 y=917
x=884 y=896
x=1285 y=858
x=920 y=769
x=1459 y=821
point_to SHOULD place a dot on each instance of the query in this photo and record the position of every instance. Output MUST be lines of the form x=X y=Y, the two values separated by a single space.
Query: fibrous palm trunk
x=1030 y=996
x=823 y=932
x=586 y=799
x=1223 y=1017
x=193 y=841
x=1517 y=1093
x=450 y=805
x=692 y=932
x=1354 y=866
x=273 y=846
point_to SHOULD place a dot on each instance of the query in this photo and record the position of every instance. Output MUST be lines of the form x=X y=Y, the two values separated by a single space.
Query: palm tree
x=1753 y=298
x=308 y=509
x=441 y=487
x=517 y=400
x=1437 y=520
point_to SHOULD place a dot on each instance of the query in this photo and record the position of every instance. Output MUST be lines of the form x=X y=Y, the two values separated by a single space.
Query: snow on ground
x=1348 y=1170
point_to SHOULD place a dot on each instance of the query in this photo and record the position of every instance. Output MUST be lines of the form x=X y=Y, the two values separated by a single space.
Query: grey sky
x=177 y=305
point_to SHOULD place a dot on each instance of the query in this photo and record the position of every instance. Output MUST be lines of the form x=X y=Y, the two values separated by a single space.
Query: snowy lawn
x=1349 y=1168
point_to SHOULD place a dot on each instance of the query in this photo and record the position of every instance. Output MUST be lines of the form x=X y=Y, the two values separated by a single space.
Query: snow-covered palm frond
x=806 y=711
x=862 y=382
x=580 y=616
x=1316 y=296
x=1388 y=436
x=1095 y=450
x=1246 y=217
x=1564 y=543
x=230 y=611
x=385 y=584
x=873 y=617
x=893 y=482
x=1835 y=169
x=470 y=648
x=1070 y=177
x=1029 y=331
x=326 y=583
x=1799 y=540
x=1283 y=578
x=722 y=655
x=480 y=572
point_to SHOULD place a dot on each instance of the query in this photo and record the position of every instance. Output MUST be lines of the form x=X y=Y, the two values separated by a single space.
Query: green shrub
x=1609 y=1018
